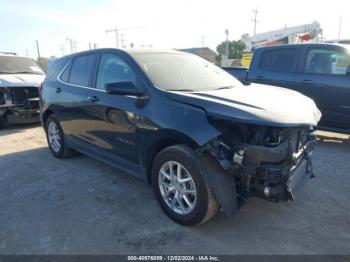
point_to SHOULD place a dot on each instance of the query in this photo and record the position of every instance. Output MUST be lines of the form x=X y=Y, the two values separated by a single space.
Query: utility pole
x=203 y=40
x=62 y=50
x=122 y=40
x=340 y=25
x=255 y=11
x=226 y=32
x=89 y=45
x=37 y=48
x=115 y=30
x=71 y=44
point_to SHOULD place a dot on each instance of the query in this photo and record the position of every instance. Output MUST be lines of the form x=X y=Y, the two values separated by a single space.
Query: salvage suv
x=20 y=78
x=201 y=138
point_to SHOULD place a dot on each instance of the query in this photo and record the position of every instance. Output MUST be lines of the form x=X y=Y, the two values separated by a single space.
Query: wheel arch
x=168 y=138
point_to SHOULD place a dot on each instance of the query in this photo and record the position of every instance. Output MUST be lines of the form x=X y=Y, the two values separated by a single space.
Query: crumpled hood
x=255 y=104
x=9 y=80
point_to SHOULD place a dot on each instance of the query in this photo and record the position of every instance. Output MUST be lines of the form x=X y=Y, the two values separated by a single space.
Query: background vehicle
x=181 y=123
x=20 y=78
x=288 y=35
x=319 y=71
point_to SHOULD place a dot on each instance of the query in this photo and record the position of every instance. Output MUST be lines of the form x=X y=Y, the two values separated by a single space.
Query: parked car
x=190 y=129
x=319 y=71
x=20 y=78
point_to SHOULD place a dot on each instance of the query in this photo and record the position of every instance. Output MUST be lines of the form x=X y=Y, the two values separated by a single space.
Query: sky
x=154 y=23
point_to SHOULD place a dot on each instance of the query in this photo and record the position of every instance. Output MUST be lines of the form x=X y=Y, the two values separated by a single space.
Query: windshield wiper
x=224 y=87
x=181 y=90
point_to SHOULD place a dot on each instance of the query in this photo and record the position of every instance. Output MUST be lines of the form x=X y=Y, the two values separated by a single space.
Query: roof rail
x=8 y=53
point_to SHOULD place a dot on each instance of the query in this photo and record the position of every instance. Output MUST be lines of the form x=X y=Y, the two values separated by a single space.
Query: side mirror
x=123 y=88
x=348 y=71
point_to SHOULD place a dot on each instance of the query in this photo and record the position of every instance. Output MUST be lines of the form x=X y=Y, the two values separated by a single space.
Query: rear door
x=275 y=66
x=323 y=78
x=113 y=118
x=71 y=95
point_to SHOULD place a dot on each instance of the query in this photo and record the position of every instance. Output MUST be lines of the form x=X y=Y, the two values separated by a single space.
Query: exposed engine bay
x=19 y=104
x=268 y=162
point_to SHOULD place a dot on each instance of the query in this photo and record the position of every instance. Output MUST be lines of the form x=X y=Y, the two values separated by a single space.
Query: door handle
x=58 y=90
x=306 y=81
x=93 y=99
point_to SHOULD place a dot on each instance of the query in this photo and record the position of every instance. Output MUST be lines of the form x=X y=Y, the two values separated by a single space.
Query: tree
x=235 y=49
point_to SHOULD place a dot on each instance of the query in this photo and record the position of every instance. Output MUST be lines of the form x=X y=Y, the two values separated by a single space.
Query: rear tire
x=55 y=138
x=183 y=195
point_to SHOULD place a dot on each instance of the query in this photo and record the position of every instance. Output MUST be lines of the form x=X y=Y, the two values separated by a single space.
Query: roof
x=301 y=44
x=196 y=49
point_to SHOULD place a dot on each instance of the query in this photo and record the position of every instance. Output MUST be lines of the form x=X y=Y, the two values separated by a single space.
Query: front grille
x=25 y=96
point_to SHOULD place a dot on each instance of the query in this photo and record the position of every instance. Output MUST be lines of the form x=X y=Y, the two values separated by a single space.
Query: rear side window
x=327 y=61
x=281 y=60
x=82 y=69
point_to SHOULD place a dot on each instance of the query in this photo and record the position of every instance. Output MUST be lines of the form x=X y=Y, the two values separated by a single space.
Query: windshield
x=183 y=72
x=17 y=65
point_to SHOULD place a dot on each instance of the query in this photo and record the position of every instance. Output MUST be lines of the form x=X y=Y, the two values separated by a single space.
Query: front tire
x=2 y=121
x=180 y=188
x=55 y=138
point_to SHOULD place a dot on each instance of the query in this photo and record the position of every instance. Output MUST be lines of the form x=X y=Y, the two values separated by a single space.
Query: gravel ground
x=82 y=206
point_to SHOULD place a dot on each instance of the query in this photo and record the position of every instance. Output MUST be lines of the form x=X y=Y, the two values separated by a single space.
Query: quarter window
x=65 y=74
x=326 y=61
x=82 y=69
x=281 y=60
x=113 y=69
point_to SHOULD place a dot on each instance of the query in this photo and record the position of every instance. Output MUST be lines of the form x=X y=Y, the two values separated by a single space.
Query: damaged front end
x=19 y=104
x=268 y=162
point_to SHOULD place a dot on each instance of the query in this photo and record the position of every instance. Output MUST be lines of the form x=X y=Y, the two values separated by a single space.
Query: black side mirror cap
x=123 y=88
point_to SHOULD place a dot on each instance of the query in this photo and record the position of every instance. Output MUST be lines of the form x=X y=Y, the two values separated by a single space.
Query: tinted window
x=113 y=69
x=65 y=74
x=327 y=61
x=81 y=70
x=281 y=60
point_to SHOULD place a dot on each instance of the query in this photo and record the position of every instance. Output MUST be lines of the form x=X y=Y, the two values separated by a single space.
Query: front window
x=113 y=69
x=183 y=72
x=18 y=65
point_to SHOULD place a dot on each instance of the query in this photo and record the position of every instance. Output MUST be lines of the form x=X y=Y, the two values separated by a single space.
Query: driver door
x=113 y=118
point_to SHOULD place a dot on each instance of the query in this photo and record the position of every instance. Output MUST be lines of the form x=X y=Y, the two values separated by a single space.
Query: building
x=203 y=52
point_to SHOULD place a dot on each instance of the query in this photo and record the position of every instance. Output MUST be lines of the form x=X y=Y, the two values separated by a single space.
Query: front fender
x=222 y=184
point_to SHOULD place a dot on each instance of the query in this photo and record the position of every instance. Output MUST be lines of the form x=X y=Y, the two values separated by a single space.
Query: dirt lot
x=82 y=206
